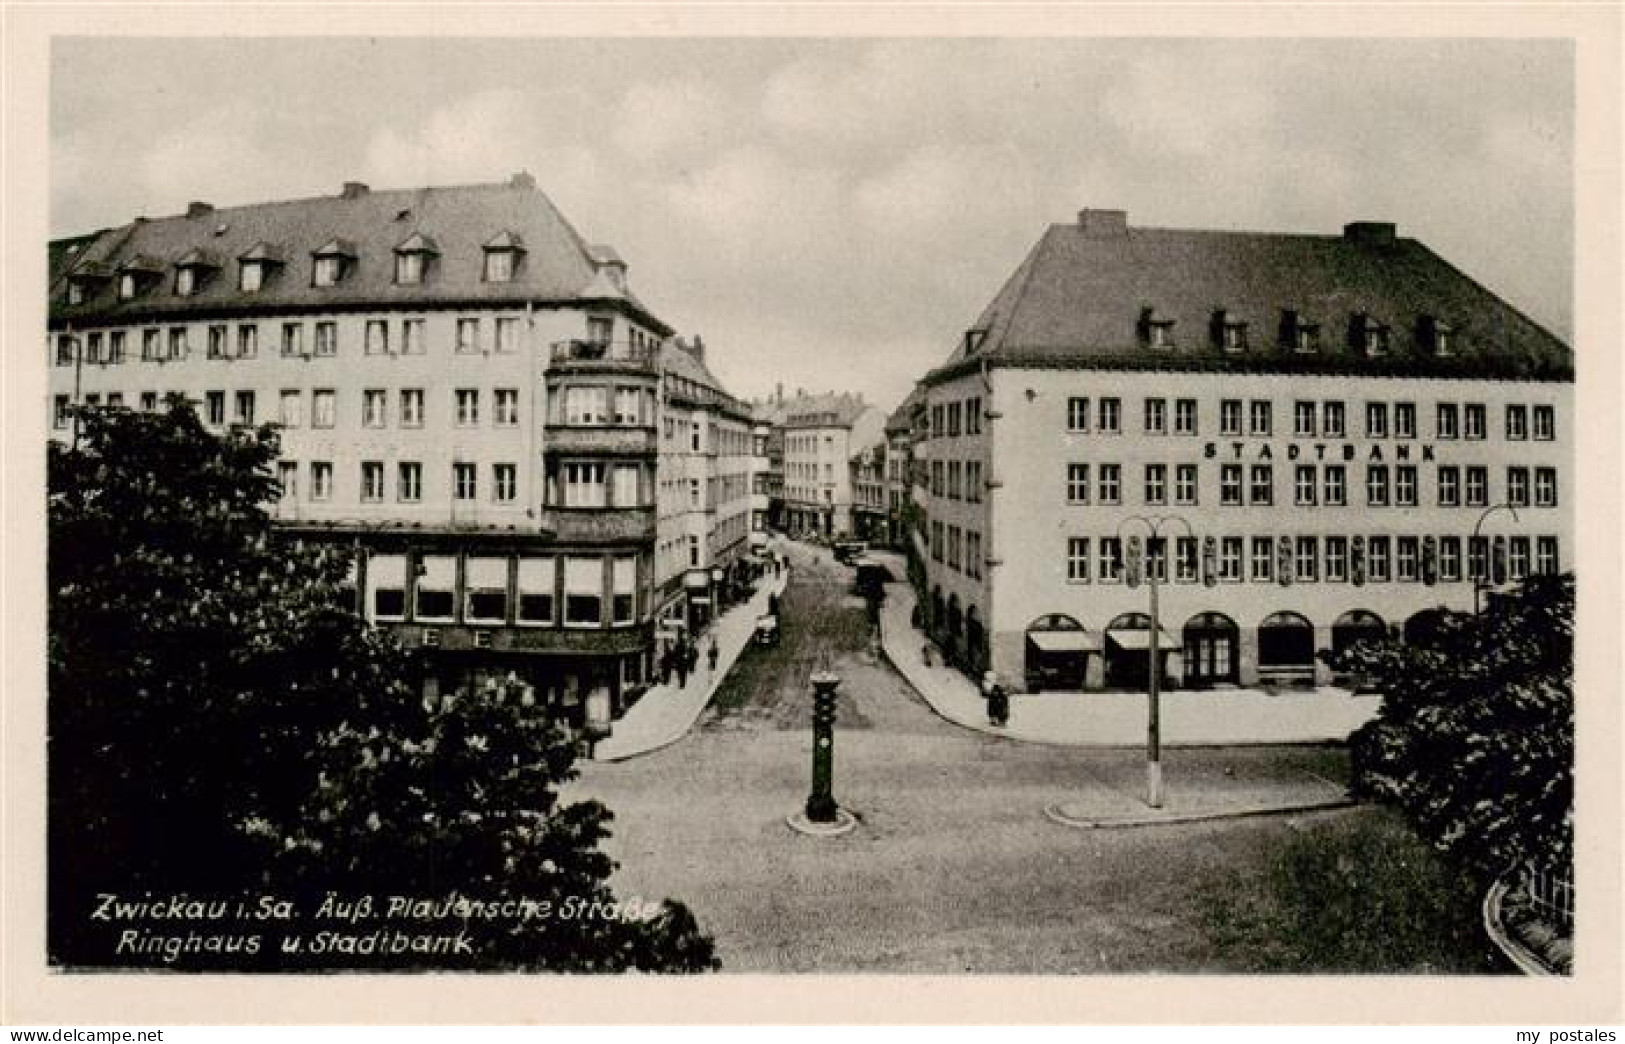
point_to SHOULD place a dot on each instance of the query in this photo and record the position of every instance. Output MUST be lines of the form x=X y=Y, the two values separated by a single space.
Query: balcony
x=599 y=525
x=600 y=440
x=604 y=357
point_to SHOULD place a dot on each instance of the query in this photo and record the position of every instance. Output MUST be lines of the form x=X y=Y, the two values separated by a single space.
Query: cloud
x=656 y=119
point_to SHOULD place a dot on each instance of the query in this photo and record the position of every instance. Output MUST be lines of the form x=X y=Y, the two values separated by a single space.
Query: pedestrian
x=998 y=700
x=681 y=664
x=665 y=664
x=711 y=655
x=773 y=604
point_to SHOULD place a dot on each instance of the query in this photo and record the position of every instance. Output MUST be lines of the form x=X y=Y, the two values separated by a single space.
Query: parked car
x=767 y=630
x=847 y=551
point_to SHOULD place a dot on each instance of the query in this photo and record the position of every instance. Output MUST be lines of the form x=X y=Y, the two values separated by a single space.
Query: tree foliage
x=1475 y=738
x=219 y=726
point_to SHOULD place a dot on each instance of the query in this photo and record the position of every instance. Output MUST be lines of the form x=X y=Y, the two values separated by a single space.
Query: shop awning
x=1064 y=641
x=1138 y=640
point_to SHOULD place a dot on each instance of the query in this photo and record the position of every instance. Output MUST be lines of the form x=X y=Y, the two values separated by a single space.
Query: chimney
x=697 y=349
x=522 y=180
x=1103 y=224
x=197 y=209
x=353 y=190
x=1369 y=233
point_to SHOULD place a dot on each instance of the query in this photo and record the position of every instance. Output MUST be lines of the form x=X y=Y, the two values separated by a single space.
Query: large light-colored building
x=468 y=392
x=822 y=433
x=1333 y=434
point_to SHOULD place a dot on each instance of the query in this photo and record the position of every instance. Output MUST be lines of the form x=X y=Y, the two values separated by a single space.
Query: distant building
x=899 y=483
x=469 y=394
x=1338 y=435
x=821 y=435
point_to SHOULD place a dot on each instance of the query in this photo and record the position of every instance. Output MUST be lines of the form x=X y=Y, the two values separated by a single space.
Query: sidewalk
x=667 y=711
x=1112 y=719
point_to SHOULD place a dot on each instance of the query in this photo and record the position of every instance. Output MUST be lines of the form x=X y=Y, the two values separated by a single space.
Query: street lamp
x=1482 y=577
x=716 y=591
x=1153 y=746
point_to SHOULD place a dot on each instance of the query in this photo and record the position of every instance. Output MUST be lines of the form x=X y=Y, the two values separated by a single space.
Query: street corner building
x=543 y=484
x=1333 y=436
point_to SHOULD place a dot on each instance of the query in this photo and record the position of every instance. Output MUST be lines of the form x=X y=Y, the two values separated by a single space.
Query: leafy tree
x=220 y=727
x=1475 y=738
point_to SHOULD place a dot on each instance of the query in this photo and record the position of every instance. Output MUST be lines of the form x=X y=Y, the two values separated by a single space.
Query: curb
x=1054 y=813
x=1521 y=956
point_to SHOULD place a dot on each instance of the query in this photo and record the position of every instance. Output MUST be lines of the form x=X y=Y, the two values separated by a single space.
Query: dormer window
x=1227 y=332
x=137 y=276
x=502 y=257
x=76 y=292
x=1436 y=336
x=1373 y=337
x=1299 y=334
x=85 y=280
x=332 y=262
x=192 y=272
x=1156 y=331
x=256 y=266
x=128 y=286
x=974 y=339
x=412 y=259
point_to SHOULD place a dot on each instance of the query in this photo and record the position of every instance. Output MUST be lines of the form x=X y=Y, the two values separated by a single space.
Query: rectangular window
x=1230 y=417
x=293 y=339
x=507 y=336
x=973 y=481
x=1332 y=421
x=498 y=266
x=1109 y=566
x=1156 y=416
x=1303 y=484
x=955 y=478
x=411 y=407
x=1185 y=559
x=507 y=407
x=1185 y=484
x=327 y=338
x=217 y=342
x=1376 y=485
x=468 y=407
x=323 y=408
x=409 y=482
x=1077 y=414
x=1185 y=417
x=1545 y=487
x=973 y=416
x=1518 y=557
x=1111 y=416
x=177 y=342
x=215 y=405
x=1335 y=486
x=584 y=485
x=627 y=406
x=1077 y=560
x=1546 y=556
x=1404 y=420
x=248 y=341
x=321 y=480
x=373 y=407
x=504 y=483
x=1259 y=421
x=1377 y=559
x=1156 y=559
x=1306 y=562
x=245 y=407
x=386 y=587
x=586 y=405
x=1111 y=477
x=1263 y=559
x=1473 y=421
x=377 y=339
x=1230 y=559
x=1545 y=418
x=624 y=588
x=1376 y=420
x=1518 y=487
x=1303 y=419
x=1230 y=484
x=1263 y=484
x=327 y=271
x=372 y=481
x=1449 y=485
x=292 y=411
x=624 y=491
x=936 y=541
x=1407 y=559
x=434 y=595
x=1405 y=485
x=464 y=481
x=60 y=418
x=1337 y=559
x=115 y=347
x=414 y=340
x=409 y=268
x=536 y=579
x=1156 y=483
x=1445 y=427
x=93 y=347
x=250 y=277
x=1450 y=559
x=149 y=401
x=150 y=351
x=485 y=590
x=1478 y=487
x=468 y=336
x=1517 y=422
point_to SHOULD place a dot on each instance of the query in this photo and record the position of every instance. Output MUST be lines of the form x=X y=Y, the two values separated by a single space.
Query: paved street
x=953 y=866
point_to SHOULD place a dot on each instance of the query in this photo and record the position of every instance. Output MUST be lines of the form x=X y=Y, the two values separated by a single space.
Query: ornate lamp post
x=1153 y=746
x=1482 y=577
x=822 y=816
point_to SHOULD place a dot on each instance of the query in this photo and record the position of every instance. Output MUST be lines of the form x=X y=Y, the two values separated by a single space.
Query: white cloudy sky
x=830 y=213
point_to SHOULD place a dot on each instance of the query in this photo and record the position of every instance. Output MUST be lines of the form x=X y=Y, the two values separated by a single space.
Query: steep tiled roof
x=455 y=222
x=1081 y=297
x=901 y=419
x=830 y=410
